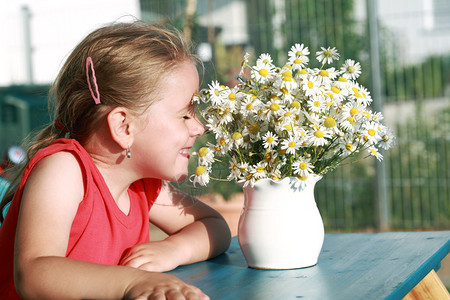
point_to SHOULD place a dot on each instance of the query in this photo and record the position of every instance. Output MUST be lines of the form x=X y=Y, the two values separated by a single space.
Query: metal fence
x=404 y=49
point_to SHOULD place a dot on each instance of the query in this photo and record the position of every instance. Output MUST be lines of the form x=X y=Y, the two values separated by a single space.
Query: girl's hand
x=162 y=286
x=158 y=256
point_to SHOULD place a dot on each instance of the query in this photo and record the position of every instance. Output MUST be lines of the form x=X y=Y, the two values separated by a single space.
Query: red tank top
x=100 y=233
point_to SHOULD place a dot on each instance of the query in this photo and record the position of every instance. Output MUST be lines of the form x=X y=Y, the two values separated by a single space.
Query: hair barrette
x=94 y=79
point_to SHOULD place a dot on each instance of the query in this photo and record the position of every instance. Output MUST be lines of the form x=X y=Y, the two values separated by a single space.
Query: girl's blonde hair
x=130 y=61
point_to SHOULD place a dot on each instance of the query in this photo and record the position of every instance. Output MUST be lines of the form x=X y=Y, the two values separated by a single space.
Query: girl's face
x=161 y=149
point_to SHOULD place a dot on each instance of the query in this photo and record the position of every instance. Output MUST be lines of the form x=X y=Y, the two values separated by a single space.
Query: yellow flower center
x=260 y=169
x=274 y=97
x=287 y=78
x=374 y=152
x=351 y=120
x=287 y=114
x=323 y=73
x=354 y=111
x=254 y=128
x=335 y=90
x=249 y=106
x=303 y=72
x=299 y=53
x=232 y=96
x=349 y=147
x=287 y=74
x=222 y=141
x=295 y=104
x=302 y=178
x=297 y=61
x=350 y=69
x=310 y=84
x=269 y=139
x=285 y=91
x=342 y=79
x=316 y=103
x=288 y=127
x=371 y=132
x=327 y=53
x=318 y=134
x=203 y=151
x=274 y=107
x=249 y=176
x=329 y=122
x=236 y=136
x=303 y=166
x=200 y=170
x=216 y=92
x=263 y=72
x=366 y=114
x=291 y=144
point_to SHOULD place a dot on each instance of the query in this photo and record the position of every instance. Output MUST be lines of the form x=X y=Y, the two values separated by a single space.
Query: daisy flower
x=264 y=59
x=263 y=73
x=331 y=124
x=298 y=63
x=259 y=170
x=387 y=138
x=290 y=144
x=303 y=181
x=302 y=167
x=316 y=104
x=374 y=152
x=274 y=108
x=244 y=63
x=361 y=94
x=214 y=91
x=342 y=83
x=371 y=132
x=348 y=146
x=350 y=69
x=205 y=156
x=327 y=55
x=298 y=50
x=319 y=136
x=326 y=76
x=201 y=176
x=234 y=169
x=237 y=139
x=270 y=140
x=249 y=106
x=311 y=87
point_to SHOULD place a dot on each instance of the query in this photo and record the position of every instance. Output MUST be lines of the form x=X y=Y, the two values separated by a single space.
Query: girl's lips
x=185 y=153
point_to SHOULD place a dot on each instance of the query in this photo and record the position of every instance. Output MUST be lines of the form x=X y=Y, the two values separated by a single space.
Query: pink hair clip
x=96 y=98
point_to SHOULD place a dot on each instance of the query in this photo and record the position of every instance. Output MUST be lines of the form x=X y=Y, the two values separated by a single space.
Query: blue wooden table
x=351 y=266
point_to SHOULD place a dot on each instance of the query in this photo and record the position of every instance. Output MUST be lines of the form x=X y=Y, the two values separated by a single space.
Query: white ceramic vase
x=280 y=226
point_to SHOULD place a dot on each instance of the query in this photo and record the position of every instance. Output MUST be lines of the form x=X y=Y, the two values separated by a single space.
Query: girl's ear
x=121 y=126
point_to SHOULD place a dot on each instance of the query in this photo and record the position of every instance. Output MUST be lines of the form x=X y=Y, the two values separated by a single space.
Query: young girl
x=78 y=224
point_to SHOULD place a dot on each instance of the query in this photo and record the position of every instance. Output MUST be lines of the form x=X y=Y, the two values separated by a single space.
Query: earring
x=128 y=152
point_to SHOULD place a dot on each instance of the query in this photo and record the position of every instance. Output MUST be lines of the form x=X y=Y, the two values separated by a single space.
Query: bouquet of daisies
x=289 y=121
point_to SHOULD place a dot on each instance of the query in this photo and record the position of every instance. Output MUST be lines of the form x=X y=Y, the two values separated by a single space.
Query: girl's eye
x=186 y=117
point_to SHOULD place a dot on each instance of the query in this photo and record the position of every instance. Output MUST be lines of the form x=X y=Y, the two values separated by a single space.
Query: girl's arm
x=196 y=232
x=41 y=270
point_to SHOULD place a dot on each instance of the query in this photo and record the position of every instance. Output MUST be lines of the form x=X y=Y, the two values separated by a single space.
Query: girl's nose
x=197 y=127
